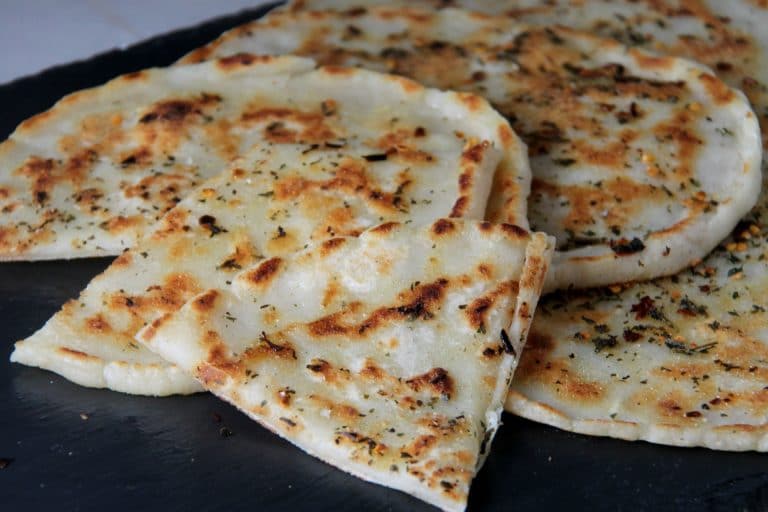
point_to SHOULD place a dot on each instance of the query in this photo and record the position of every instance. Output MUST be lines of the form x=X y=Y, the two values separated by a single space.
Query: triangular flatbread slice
x=91 y=175
x=275 y=200
x=641 y=163
x=387 y=355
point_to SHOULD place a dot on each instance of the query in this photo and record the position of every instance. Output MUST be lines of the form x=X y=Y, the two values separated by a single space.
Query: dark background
x=144 y=454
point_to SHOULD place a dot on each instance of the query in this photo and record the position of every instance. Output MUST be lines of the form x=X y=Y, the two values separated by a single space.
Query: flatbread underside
x=396 y=363
x=361 y=169
x=641 y=163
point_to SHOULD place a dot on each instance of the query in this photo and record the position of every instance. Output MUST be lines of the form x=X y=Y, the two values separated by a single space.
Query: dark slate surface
x=71 y=448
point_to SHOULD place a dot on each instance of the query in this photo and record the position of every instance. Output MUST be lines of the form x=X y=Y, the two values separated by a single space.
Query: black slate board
x=72 y=448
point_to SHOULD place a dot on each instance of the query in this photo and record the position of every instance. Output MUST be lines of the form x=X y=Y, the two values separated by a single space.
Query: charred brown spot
x=669 y=407
x=373 y=446
x=142 y=156
x=514 y=231
x=506 y=134
x=493 y=351
x=476 y=311
x=97 y=323
x=436 y=380
x=459 y=207
x=421 y=445
x=465 y=181
x=172 y=294
x=339 y=70
x=241 y=59
x=285 y=395
x=169 y=111
x=475 y=153
x=266 y=347
x=443 y=226
x=265 y=272
x=420 y=302
x=373 y=372
x=311 y=126
x=136 y=75
x=123 y=260
x=320 y=366
x=384 y=228
x=75 y=353
x=120 y=223
x=719 y=91
x=211 y=375
x=485 y=226
x=328 y=326
x=332 y=244
x=151 y=330
x=485 y=270
x=205 y=302
x=472 y=101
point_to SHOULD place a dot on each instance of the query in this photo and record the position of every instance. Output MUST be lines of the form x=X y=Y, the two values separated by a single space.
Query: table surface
x=73 y=448
x=38 y=34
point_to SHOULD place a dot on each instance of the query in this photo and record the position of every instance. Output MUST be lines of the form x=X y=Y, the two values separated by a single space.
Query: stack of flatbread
x=323 y=218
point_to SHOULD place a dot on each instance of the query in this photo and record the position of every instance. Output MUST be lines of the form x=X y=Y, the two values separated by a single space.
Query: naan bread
x=641 y=163
x=388 y=355
x=89 y=176
x=393 y=155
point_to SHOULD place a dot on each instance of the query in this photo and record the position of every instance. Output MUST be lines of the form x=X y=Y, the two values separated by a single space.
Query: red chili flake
x=643 y=308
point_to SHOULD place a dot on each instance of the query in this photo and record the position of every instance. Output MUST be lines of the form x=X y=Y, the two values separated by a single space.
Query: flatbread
x=388 y=355
x=408 y=165
x=681 y=360
x=641 y=163
x=727 y=35
x=92 y=174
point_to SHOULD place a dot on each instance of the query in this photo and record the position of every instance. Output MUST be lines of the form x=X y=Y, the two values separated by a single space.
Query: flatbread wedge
x=387 y=355
x=92 y=174
x=406 y=163
x=641 y=163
